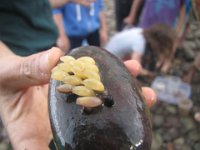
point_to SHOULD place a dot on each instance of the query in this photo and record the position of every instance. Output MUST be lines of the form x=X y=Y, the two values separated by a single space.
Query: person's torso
x=160 y=11
x=79 y=20
x=127 y=41
x=26 y=26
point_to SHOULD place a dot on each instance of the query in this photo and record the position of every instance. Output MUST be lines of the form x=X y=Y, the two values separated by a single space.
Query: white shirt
x=127 y=42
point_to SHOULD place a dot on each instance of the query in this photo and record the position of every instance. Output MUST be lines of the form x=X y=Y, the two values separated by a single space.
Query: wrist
x=31 y=144
x=103 y=30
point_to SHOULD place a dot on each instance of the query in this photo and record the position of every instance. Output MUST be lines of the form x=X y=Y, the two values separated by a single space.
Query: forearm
x=180 y=21
x=58 y=3
x=134 y=9
x=59 y=22
x=103 y=21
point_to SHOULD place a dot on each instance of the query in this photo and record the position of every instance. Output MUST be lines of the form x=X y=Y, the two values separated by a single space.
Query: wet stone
x=188 y=123
x=179 y=141
x=197 y=146
x=158 y=120
x=156 y=142
x=194 y=135
x=172 y=121
x=197 y=34
x=182 y=147
x=172 y=110
x=167 y=137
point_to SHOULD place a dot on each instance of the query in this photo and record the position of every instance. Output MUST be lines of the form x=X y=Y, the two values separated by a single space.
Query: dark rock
x=172 y=109
x=158 y=120
x=156 y=142
x=194 y=135
x=197 y=146
x=188 y=123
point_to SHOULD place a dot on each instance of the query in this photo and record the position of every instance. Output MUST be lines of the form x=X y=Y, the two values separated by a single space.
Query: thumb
x=150 y=96
x=24 y=72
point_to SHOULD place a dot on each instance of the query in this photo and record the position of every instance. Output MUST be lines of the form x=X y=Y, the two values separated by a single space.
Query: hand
x=103 y=37
x=63 y=43
x=23 y=103
x=128 y=21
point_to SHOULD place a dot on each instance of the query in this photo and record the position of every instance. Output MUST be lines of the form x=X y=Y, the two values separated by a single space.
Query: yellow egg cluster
x=81 y=77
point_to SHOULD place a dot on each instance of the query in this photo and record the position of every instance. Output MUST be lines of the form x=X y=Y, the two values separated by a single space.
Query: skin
x=179 y=26
x=195 y=67
x=130 y=19
x=62 y=41
x=59 y=3
x=103 y=28
x=23 y=96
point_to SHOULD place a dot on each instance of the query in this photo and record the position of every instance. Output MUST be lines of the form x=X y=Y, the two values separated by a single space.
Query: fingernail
x=151 y=100
x=150 y=96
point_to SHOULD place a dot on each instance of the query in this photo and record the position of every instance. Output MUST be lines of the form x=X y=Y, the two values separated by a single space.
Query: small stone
x=158 y=120
x=189 y=44
x=174 y=133
x=179 y=141
x=194 y=136
x=172 y=110
x=182 y=147
x=167 y=137
x=189 y=36
x=172 y=122
x=188 y=123
x=197 y=42
x=197 y=146
x=156 y=142
x=197 y=34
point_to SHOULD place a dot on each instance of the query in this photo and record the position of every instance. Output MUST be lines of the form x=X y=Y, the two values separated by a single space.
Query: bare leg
x=195 y=67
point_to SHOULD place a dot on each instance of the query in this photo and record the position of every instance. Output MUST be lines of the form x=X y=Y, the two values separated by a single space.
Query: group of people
x=148 y=29
x=153 y=30
x=27 y=35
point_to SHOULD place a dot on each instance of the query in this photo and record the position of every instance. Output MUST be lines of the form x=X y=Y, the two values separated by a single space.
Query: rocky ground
x=171 y=130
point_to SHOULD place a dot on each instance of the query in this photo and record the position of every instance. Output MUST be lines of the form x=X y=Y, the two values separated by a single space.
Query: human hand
x=23 y=104
x=128 y=21
x=103 y=37
x=63 y=43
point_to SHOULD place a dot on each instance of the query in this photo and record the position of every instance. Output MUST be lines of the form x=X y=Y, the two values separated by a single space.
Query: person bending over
x=156 y=42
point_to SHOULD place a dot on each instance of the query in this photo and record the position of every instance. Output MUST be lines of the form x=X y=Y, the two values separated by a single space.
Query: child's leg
x=197 y=62
x=195 y=68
